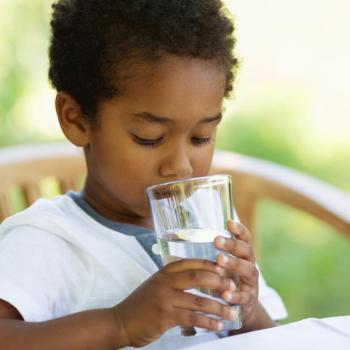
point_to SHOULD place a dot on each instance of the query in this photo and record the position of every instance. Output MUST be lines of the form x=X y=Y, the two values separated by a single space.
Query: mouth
x=163 y=193
x=181 y=188
x=176 y=189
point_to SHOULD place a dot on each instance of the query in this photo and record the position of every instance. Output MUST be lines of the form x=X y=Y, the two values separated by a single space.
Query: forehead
x=180 y=88
x=174 y=82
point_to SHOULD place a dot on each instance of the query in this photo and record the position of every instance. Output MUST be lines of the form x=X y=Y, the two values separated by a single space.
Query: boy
x=140 y=88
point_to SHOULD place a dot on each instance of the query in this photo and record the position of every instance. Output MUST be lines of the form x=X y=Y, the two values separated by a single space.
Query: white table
x=316 y=334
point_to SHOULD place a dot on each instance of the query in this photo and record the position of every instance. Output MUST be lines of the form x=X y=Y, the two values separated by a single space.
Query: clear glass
x=187 y=216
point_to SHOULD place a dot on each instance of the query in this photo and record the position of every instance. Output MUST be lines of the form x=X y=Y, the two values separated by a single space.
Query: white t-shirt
x=60 y=257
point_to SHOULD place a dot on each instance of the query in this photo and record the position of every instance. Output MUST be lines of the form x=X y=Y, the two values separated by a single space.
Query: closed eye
x=200 y=141
x=148 y=142
x=197 y=141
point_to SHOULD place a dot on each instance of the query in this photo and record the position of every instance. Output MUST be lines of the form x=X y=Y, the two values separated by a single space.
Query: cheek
x=201 y=162
x=136 y=163
x=132 y=173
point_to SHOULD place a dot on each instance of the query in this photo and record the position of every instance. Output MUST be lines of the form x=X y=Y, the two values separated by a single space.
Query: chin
x=143 y=211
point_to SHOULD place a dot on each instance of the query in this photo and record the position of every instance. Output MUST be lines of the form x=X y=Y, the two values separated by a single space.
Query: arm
x=158 y=304
x=96 y=329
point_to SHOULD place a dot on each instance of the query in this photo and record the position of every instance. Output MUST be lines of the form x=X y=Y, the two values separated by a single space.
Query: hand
x=241 y=261
x=161 y=303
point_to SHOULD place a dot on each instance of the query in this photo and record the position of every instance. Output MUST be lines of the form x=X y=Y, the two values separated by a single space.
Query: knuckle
x=192 y=318
x=194 y=276
x=198 y=301
x=179 y=264
x=248 y=299
x=250 y=251
x=243 y=230
x=229 y=243
x=239 y=298
x=254 y=272
x=257 y=274
x=240 y=227
x=208 y=265
x=251 y=299
x=241 y=263
x=159 y=280
x=168 y=268
x=225 y=282
x=182 y=262
x=243 y=298
x=232 y=243
x=212 y=324
x=223 y=310
x=235 y=262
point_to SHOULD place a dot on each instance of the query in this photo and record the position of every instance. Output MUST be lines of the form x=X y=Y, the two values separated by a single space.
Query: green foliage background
x=305 y=260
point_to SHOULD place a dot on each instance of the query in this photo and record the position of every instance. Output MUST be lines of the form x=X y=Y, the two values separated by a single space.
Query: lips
x=163 y=193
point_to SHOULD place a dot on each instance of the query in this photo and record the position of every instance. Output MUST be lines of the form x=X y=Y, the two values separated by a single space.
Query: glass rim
x=192 y=179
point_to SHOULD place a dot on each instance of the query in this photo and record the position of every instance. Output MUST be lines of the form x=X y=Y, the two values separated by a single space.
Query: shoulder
x=42 y=208
x=42 y=230
x=42 y=275
x=31 y=238
x=34 y=249
x=44 y=214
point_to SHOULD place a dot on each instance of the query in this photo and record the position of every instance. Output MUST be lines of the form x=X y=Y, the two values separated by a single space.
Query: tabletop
x=320 y=334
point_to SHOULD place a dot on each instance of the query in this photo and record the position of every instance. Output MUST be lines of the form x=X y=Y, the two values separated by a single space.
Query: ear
x=73 y=123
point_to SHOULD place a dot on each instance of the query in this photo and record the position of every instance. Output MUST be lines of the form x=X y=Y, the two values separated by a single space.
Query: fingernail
x=220 y=270
x=228 y=296
x=237 y=231
x=224 y=259
x=232 y=285
x=220 y=326
x=232 y=314
x=221 y=240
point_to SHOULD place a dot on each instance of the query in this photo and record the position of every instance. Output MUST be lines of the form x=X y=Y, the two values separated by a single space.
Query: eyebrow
x=151 y=118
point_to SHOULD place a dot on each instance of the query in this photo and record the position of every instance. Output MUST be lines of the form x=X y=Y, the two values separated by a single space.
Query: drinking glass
x=187 y=216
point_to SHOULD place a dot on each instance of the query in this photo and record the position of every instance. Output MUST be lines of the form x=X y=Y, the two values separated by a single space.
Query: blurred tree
x=23 y=37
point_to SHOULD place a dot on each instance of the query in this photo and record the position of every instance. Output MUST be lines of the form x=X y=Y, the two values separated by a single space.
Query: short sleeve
x=271 y=300
x=42 y=275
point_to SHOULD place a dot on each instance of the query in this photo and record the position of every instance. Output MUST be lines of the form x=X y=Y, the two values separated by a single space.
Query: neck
x=103 y=206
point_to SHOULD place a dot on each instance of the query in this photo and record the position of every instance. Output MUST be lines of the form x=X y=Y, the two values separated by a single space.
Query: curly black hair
x=93 y=41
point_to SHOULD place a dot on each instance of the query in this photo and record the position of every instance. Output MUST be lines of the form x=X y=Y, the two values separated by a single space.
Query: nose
x=177 y=164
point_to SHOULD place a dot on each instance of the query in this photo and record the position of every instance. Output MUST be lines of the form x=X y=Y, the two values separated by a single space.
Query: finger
x=242 y=298
x=186 y=318
x=196 y=302
x=192 y=264
x=243 y=268
x=235 y=247
x=200 y=279
x=239 y=231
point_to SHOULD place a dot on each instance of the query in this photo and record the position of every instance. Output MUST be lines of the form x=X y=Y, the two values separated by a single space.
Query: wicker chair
x=24 y=167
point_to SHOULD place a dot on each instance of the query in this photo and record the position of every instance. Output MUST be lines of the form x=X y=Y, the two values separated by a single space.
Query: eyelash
x=201 y=141
x=198 y=141
x=147 y=142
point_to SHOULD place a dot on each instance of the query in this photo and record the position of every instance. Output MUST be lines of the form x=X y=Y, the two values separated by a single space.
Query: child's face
x=161 y=129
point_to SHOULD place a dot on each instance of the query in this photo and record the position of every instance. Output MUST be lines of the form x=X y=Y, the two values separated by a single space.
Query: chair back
x=255 y=179
x=24 y=170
